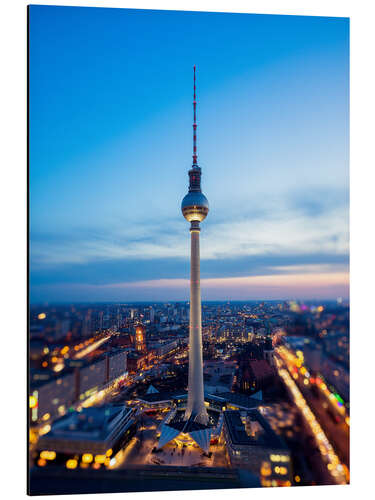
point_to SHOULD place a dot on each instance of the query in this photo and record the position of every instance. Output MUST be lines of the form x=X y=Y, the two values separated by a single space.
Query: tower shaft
x=195 y=405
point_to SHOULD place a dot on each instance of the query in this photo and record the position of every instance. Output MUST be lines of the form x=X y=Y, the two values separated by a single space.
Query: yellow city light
x=45 y=429
x=265 y=469
x=297 y=479
x=33 y=402
x=41 y=315
x=71 y=463
x=41 y=462
x=46 y=416
x=48 y=455
x=109 y=452
x=87 y=458
x=33 y=437
x=100 y=459
x=61 y=409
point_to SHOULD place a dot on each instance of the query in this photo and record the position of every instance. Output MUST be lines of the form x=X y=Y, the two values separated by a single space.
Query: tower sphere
x=195 y=206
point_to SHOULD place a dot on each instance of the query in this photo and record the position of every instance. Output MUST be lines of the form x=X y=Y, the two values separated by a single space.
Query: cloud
x=322 y=285
x=279 y=230
x=318 y=200
x=131 y=270
x=286 y=248
x=293 y=234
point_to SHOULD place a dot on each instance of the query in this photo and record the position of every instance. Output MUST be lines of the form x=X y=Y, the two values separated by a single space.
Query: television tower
x=195 y=209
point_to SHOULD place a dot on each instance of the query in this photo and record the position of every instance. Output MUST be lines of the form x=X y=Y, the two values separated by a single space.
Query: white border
x=13 y=247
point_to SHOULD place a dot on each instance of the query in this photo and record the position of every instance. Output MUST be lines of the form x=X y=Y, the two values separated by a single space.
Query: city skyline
x=107 y=149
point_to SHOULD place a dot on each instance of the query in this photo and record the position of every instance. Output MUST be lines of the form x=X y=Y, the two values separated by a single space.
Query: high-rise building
x=195 y=420
x=152 y=314
x=195 y=209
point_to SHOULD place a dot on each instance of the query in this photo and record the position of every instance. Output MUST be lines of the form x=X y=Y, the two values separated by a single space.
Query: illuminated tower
x=140 y=344
x=195 y=209
x=195 y=423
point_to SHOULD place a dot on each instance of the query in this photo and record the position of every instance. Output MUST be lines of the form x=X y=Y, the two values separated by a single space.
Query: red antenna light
x=195 y=126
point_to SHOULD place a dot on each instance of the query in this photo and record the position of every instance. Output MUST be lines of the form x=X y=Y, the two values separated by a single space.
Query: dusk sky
x=111 y=145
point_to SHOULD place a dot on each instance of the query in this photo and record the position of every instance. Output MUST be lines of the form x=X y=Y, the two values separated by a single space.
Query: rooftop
x=156 y=397
x=260 y=434
x=179 y=422
x=241 y=400
x=91 y=424
x=261 y=368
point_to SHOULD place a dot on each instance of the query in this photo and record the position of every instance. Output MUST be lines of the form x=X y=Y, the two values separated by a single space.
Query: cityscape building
x=253 y=445
x=56 y=393
x=140 y=341
x=92 y=436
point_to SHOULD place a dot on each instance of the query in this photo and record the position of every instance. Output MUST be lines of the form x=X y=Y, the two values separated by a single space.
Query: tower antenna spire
x=195 y=162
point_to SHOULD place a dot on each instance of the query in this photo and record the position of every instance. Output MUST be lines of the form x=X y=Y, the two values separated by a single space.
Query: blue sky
x=111 y=144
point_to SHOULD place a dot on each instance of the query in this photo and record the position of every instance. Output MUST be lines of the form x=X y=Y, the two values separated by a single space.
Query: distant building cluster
x=81 y=379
